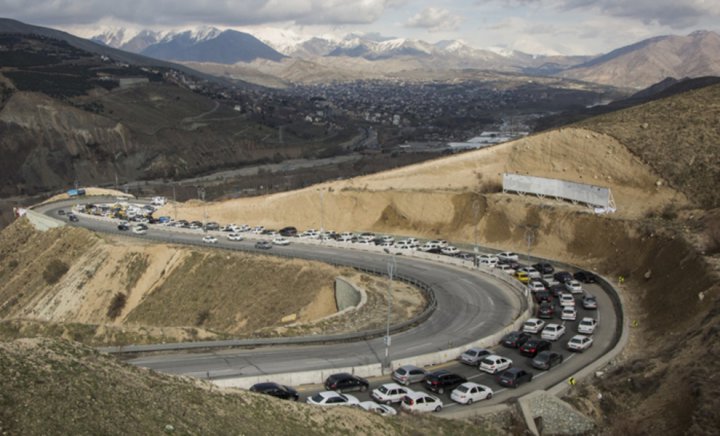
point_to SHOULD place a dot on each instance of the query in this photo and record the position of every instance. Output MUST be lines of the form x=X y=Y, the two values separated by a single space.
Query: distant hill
x=641 y=64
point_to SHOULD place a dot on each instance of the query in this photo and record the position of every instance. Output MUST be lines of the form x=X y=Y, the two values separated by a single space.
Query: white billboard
x=592 y=195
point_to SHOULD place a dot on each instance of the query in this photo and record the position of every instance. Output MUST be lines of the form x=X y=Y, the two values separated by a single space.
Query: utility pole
x=174 y=203
x=322 y=218
x=201 y=195
x=529 y=238
x=392 y=266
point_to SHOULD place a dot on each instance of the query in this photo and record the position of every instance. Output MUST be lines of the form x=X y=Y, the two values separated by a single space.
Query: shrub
x=54 y=271
x=117 y=305
x=202 y=317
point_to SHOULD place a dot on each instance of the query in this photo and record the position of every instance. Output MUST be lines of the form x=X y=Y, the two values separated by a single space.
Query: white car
x=258 y=229
x=574 y=287
x=468 y=393
x=535 y=286
x=413 y=242
x=508 y=255
x=567 y=300
x=579 y=343
x=505 y=268
x=332 y=399
x=531 y=272
x=488 y=259
x=390 y=393
x=429 y=246
x=366 y=237
x=209 y=239
x=587 y=325
x=553 y=332
x=280 y=241
x=387 y=239
x=403 y=245
x=421 y=402
x=380 y=409
x=139 y=230
x=345 y=237
x=568 y=313
x=493 y=364
x=235 y=236
x=450 y=250
x=533 y=325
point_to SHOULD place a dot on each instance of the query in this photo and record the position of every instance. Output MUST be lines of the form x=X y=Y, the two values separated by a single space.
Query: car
x=61 y=212
x=543 y=297
x=140 y=229
x=522 y=276
x=587 y=325
x=72 y=217
x=230 y=228
x=494 y=363
x=346 y=237
x=535 y=286
x=466 y=256
x=442 y=380
x=212 y=226
x=366 y=237
x=589 y=302
x=402 y=245
x=546 y=359
x=579 y=343
x=557 y=289
x=380 y=409
x=263 y=245
x=195 y=225
x=288 y=232
x=533 y=325
x=505 y=268
x=487 y=259
x=473 y=356
x=568 y=313
x=258 y=229
x=573 y=286
x=562 y=276
x=534 y=346
x=429 y=246
x=389 y=393
x=514 y=377
x=545 y=311
x=235 y=236
x=343 y=382
x=332 y=399
x=450 y=250
x=544 y=268
x=567 y=300
x=469 y=392
x=387 y=239
x=279 y=240
x=531 y=272
x=508 y=255
x=408 y=374
x=585 y=277
x=553 y=332
x=421 y=402
x=209 y=239
x=514 y=339
x=123 y=226
x=276 y=390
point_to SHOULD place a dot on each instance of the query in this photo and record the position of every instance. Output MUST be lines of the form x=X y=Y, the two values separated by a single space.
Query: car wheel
x=470 y=401
x=338 y=390
x=441 y=390
x=363 y=388
x=388 y=403
x=489 y=396
x=438 y=408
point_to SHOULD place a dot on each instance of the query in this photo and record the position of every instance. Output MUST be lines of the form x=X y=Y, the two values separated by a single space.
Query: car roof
x=392 y=386
x=409 y=367
x=513 y=370
x=419 y=394
x=266 y=385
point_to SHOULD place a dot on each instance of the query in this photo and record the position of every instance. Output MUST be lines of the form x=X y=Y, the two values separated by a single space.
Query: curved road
x=470 y=306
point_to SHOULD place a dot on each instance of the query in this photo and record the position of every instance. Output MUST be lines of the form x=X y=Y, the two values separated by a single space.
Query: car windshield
x=383 y=389
x=471 y=353
x=462 y=388
x=317 y=398
x=401 y=371
x=488 y=361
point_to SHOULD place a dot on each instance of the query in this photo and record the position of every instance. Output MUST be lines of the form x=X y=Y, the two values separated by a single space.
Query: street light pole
x=392 y=266
x=529 y=238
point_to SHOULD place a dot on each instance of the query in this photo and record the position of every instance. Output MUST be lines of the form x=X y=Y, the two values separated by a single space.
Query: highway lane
x=470 y=306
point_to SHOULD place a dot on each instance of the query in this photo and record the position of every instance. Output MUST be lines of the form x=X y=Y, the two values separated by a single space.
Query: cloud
x=677 y=14
x=434 y=19
x=178 y=13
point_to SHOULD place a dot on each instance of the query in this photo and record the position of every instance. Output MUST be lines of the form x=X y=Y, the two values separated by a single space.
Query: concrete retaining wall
x=300 y=378
x=347 y=296
x=42 y=222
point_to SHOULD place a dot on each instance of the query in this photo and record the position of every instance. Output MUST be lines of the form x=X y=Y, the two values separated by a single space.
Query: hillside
x=661 y=242
x=103 y=290
x=57 y=387
x=652 y=60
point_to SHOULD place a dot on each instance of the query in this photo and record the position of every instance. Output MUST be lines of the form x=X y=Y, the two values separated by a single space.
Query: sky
x=564 y=27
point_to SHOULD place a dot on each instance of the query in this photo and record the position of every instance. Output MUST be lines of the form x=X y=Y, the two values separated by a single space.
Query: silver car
x=473 y=356
x=408 y=374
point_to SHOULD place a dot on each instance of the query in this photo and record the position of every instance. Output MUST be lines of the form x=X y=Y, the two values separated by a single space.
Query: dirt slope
x=56 y=387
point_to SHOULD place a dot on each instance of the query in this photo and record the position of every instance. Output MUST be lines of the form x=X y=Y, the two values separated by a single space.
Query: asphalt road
x=469 y=306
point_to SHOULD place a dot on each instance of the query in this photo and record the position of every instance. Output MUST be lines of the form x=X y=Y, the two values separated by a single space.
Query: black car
x=212 y=226
x=514 y=377
x=72 y=217
x=276 y=390
x=288 y=232
x=532 y=347
x=545 y=311
x=585 y=277
x=562 y=276
x=515 y=339
x=544 y=268
x=343 y=382
x=546 y=360
x=123 y=227
x=61 y=212
x=557 y=290
x=441 y=381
